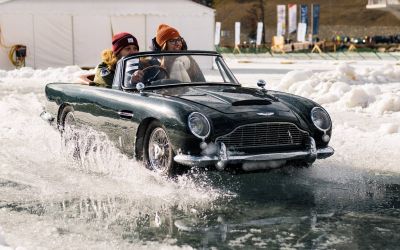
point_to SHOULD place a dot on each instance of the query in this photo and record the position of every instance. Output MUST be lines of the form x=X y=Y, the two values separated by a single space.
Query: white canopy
x=66 y=32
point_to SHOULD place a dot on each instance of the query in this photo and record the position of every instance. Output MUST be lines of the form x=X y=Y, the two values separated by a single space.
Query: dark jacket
x=103 y=76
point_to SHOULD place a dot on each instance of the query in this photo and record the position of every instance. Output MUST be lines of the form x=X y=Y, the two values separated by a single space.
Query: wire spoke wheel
x=159 y=150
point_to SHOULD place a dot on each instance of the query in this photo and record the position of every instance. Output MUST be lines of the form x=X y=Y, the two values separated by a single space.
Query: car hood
x=228 y=99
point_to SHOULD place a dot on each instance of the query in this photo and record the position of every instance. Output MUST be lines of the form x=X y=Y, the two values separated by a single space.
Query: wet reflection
x=283 y=208
x=278 y=209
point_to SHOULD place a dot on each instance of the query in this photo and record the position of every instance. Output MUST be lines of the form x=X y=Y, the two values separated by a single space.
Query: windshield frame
x=218 y=60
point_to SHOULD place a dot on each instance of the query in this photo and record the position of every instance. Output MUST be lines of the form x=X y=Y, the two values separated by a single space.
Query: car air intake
x=272 y=134
x=251 y=102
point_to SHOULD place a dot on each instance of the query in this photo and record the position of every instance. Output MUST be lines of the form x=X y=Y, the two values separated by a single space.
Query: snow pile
x=372 y=90
x=66 y=74
x=389 y=128
x=3 y=243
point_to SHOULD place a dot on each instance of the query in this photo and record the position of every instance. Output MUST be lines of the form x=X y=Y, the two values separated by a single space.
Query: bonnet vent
x=251 y=102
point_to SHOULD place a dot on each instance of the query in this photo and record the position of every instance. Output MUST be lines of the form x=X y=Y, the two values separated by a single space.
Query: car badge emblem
x=266 y=113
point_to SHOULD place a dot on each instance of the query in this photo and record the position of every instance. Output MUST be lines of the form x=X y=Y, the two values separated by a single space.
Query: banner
x=304 y=15
x=237 y=33
x=315 y=16
x=292 y=9
x=281 y=22
x=301 y=32
x=217 y=37
x=259 y=33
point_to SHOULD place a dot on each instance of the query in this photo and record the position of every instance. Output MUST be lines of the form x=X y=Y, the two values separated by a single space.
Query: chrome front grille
x=264 y=135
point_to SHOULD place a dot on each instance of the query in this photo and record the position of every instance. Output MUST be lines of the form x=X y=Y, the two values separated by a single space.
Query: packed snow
x=362 y=97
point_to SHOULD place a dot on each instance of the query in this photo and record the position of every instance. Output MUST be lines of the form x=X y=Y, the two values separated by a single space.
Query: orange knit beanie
x=165 y=33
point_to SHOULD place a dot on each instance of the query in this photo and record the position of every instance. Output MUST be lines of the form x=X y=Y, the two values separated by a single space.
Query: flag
x=301 y=32
x=217 y=37
x=281 y=22
x=259 y=33
x=315 y=16
x=237 y=33
x=304 y=14
x=292 y=9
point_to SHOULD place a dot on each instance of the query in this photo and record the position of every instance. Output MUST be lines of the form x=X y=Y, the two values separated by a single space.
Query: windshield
x=175 y=68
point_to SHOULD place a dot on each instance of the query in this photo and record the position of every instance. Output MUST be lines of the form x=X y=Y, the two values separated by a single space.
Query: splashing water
x=42 y=176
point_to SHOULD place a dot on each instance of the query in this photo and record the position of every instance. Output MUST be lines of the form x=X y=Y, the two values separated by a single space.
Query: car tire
x=67 y=126
x=67 y=118
x=158 y=153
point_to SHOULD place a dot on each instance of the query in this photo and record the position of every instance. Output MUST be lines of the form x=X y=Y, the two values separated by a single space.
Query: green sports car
x=189 y=110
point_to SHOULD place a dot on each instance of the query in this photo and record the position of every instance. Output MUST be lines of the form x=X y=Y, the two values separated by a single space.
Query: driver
x=182 y=68
x=123 y=44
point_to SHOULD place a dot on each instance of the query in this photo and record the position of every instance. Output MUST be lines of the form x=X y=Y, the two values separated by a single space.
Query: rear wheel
x=67 y=121
x=69 y=134
x=158 y=152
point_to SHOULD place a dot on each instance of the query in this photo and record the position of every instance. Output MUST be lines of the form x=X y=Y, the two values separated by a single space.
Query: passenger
x=183 y=68
x=123 y=44
x=168 y=39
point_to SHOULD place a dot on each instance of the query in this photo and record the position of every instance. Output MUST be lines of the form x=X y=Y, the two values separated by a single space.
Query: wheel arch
x=60 y=113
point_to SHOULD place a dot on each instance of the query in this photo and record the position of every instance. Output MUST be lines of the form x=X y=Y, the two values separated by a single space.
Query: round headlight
x=321 y=119
x=199 y=125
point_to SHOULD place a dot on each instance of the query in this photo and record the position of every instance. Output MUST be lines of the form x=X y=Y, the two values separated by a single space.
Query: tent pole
x=145 y=32
x=34 y=42
x=73 y=40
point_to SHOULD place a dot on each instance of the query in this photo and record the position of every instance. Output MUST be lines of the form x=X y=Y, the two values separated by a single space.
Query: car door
x=111 y=112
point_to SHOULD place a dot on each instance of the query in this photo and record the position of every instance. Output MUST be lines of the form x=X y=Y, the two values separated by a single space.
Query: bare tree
x=254 y=15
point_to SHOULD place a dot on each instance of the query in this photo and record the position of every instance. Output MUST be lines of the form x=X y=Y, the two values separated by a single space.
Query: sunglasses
x=176 y=41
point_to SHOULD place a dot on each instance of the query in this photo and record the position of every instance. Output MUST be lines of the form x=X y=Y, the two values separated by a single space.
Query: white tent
x=74 y=32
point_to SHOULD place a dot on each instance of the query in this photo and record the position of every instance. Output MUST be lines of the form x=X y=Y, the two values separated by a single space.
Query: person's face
x=128 y=50
x=174 y=44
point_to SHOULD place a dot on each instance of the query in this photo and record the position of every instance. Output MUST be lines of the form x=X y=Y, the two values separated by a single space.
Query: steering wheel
x=154 y=72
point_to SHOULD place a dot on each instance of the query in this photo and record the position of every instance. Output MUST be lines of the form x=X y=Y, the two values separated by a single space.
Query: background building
x=337 y=17
x=74 y=32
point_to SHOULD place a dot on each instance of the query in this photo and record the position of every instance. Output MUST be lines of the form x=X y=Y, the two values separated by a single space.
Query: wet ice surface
x=103 y=200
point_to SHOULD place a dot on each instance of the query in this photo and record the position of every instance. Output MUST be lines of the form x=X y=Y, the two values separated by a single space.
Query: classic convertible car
x=189 y=110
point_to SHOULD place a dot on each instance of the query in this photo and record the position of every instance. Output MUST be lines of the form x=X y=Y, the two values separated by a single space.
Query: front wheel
x=158 y=152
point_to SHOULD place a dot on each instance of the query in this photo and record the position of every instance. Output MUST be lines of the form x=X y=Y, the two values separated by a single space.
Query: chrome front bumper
x=309 y=155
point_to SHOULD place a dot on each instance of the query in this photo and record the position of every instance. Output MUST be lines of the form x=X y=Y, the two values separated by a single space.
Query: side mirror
x=261 y=83
x=140 y=86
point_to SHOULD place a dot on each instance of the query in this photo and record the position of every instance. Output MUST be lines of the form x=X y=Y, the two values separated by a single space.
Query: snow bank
x=66 y=74
x=371 y=90
x=3 y=243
